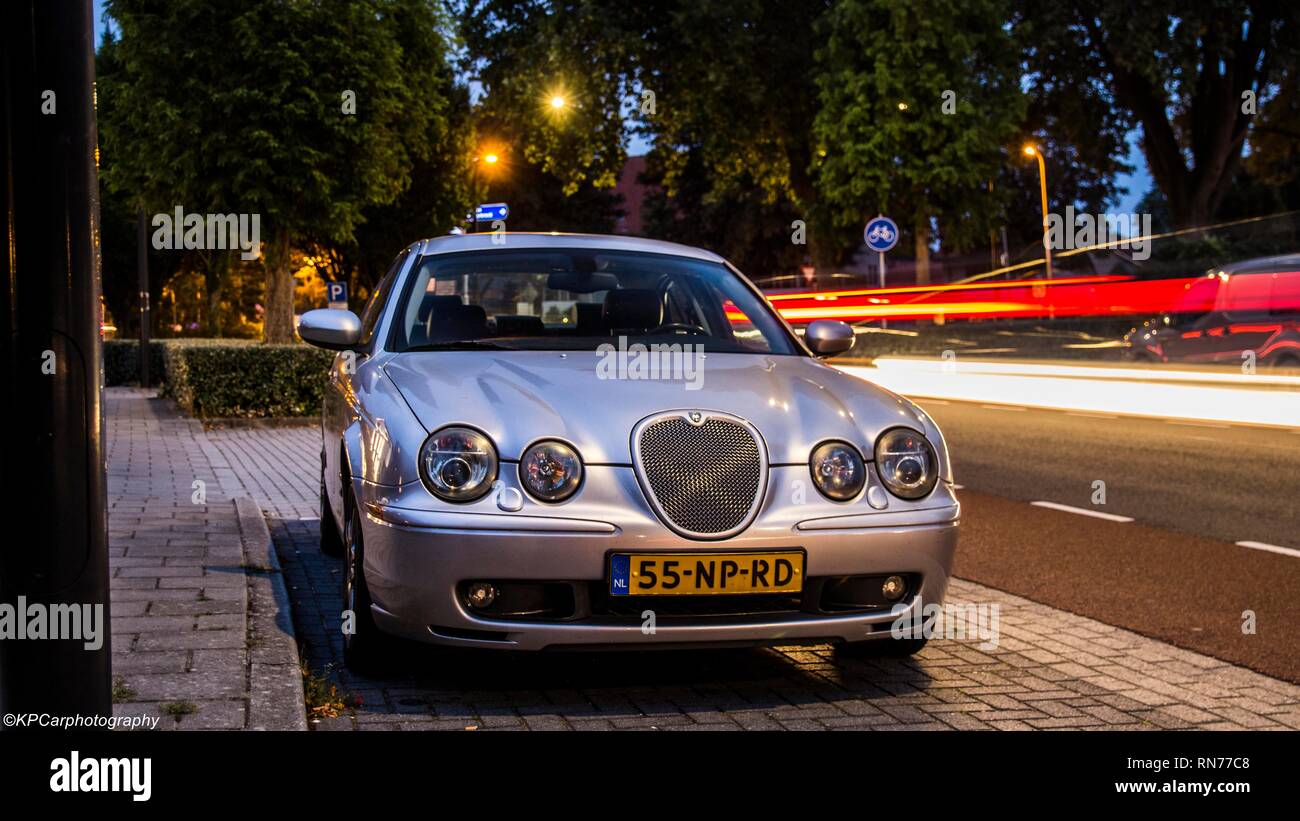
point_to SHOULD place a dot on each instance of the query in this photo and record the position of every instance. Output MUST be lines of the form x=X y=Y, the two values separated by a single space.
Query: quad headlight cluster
x=905 y=462
x=460 y=464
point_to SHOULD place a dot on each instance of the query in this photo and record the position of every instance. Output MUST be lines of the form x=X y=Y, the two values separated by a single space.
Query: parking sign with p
x=336 y=294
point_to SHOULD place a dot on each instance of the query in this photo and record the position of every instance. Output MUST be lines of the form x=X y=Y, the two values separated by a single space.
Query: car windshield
x=580 y=300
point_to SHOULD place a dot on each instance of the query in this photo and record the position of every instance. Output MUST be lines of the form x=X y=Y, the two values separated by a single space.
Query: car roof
x=514 y=240
x=1261 y=265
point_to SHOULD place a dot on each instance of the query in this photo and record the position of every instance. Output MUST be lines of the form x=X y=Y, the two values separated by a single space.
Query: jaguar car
x=576 y=442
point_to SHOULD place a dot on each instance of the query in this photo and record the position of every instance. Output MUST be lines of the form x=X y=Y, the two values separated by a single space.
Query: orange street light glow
x=490 y=159
x=557 y=101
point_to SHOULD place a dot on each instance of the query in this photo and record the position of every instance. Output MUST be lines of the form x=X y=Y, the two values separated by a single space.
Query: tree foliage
x=918 y=101
x=1184 y=73
x=240 y=107
x=527 y=53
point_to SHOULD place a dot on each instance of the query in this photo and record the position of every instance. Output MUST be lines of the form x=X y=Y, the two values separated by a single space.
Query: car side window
x=375 y=307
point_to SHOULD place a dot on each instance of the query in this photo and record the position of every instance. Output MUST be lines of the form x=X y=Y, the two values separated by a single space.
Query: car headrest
x=590 y=319
x=519 y=325
x=633 y=309
x=463 y=322
x=434 y=304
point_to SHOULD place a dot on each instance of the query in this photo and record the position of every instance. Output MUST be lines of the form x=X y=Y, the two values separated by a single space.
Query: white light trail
x=1172 y=395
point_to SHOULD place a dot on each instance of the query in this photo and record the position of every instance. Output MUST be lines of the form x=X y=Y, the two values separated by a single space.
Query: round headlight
x=838 y=470
x=458 y=464
x=906 y=463
x=551 y=471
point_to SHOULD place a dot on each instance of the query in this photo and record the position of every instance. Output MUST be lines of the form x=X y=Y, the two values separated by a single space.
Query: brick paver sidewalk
x=196 y=641
x=1050 y=669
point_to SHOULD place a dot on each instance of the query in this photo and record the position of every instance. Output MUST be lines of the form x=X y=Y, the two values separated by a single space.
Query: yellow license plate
x=705 y=574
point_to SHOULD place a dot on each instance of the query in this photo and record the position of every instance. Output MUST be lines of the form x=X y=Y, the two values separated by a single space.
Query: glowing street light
x=484 y=168
x=558 y=102
x=1032 y=151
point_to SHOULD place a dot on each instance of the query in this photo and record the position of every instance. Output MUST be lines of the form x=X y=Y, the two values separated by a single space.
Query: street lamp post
x=490 y=159
x=1032 y=151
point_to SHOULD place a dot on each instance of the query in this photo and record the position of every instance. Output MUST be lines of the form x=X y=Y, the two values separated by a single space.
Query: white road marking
x=1002 y=407
x=1092 y=415
x=1096 y=514
x=1196 y=424
x=1271 y=548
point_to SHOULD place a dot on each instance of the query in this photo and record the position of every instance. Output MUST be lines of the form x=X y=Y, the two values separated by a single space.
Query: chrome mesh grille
x=705 y=479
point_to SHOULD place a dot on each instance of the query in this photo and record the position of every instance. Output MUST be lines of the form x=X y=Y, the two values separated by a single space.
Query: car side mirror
x=330 y=328
x=828 y=337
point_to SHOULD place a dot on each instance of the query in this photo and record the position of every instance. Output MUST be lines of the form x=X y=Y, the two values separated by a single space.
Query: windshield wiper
x=459 y=345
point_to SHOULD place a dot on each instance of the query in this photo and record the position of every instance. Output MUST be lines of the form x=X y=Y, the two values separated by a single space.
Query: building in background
x=633 y=192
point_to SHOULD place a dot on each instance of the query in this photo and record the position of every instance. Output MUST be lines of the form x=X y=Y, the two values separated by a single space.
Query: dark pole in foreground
x=55 y=555
x=142 y=274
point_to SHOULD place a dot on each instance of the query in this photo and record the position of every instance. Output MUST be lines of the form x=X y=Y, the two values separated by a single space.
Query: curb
x=274 y=668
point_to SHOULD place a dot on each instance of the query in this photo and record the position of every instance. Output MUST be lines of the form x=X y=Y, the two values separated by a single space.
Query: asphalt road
x=1175 y=572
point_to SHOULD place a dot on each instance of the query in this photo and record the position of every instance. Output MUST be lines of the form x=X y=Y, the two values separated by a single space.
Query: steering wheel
x=680 y=327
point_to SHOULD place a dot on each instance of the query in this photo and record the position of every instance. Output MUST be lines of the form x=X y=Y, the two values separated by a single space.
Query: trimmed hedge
x=228 y=378
x=250 y=380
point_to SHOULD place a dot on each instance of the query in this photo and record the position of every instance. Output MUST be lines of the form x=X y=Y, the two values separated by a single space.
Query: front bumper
x=417 y=561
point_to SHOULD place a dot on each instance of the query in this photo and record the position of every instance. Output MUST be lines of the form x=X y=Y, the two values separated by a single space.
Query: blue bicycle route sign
x=881 y=234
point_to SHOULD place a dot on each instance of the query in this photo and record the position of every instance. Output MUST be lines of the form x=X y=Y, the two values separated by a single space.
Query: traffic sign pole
x=881 y=235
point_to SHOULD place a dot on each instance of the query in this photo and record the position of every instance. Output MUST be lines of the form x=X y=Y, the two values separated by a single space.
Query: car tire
x=884 y=648
x=365 y=648
x=331 y=542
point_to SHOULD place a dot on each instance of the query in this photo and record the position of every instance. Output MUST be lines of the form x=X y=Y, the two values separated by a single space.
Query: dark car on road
x=1250 y=307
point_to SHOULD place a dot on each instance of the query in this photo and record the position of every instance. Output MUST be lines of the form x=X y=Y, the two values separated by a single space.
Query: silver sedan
x=547 y=441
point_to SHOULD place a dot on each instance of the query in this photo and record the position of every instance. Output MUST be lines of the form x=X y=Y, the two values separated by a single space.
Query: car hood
x=518 y=397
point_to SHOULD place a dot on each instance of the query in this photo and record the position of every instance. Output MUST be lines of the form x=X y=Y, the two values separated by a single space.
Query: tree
x=723 y=88
x=439 y=148
x=555 y=79
x=1187 y=75
x=754 y=234
x=917 y=101
x=119 y=222
x=300 y=112
x=734 y=83
x=1070 y=116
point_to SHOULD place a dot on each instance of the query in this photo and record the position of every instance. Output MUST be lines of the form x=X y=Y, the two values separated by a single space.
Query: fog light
x=893 y=588
x=481 y=594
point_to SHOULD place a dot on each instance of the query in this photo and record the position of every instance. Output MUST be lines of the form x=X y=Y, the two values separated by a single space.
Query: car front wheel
x=331 y=543
x=364 y=646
